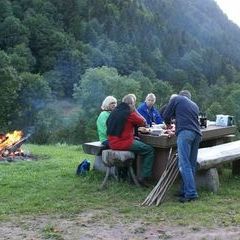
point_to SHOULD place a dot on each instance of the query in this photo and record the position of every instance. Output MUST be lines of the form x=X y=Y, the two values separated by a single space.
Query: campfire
x=10 y=145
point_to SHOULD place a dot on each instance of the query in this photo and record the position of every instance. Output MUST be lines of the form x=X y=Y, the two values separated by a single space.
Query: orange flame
x=10 y=138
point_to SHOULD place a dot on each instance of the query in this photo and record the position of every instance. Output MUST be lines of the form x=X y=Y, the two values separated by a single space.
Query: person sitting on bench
x=108 y=104
x=120 y=130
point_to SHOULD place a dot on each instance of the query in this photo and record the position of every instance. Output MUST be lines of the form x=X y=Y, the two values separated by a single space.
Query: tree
x=163 y=90
x=146 y=84
x=178 y=78
x=45 y=41
x=231 y=104
x=12 y=32
x=94 y=86
x=10 y=84
x=5 y=9
x=33 y=96
x=21 y=58
x=214 y=109
x=67 y=72
x=97 y=83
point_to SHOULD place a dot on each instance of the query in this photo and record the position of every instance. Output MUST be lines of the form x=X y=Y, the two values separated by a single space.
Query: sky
x=231 y=8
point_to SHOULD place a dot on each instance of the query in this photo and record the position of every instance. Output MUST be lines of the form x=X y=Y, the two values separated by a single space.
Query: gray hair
x=133 y=95
x=107 y=101
x=151 y=95
x=173 y=96
x=129 y=99
x=185 y=93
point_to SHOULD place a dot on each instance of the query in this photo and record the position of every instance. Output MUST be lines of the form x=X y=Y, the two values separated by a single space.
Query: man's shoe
x=184 y=199
x=179 y=195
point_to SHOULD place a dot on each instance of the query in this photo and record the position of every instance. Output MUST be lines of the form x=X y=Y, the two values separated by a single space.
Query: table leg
x=161 y=158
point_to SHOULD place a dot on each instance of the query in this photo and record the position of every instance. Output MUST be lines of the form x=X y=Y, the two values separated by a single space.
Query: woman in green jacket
x=108 y=104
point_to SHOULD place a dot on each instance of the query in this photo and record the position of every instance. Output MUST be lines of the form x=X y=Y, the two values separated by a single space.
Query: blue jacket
x=151 y=115
x=185 y=113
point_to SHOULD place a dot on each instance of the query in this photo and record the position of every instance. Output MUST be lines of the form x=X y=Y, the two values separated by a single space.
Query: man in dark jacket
x=188 y=132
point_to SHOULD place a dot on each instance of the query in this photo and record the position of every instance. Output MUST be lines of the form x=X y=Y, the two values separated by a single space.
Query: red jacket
x=125 y=141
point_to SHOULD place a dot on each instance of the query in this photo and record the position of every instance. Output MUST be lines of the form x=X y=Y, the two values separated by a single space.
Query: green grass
x=49 y=186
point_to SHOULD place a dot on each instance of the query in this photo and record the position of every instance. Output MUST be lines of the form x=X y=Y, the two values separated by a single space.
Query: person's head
x=150 y=99
x=109 y=103
x=130 y=99
x=185 y=93
x=134 y=96
x=173 y=96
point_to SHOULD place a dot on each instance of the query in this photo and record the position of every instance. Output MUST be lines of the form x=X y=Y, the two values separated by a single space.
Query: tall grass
x=49 y=185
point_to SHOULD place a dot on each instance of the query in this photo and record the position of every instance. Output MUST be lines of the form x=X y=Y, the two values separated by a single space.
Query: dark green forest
x=60 y=58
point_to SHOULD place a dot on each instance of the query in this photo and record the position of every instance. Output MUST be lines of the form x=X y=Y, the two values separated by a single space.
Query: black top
x=117 y=119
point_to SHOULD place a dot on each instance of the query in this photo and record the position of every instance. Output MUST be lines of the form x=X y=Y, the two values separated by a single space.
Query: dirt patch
x=91 y=225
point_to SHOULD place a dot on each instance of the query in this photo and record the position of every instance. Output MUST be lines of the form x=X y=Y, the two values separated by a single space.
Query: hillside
x=48 y=45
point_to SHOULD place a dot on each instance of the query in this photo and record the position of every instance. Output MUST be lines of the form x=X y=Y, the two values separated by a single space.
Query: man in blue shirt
x=188 y=132
x=149 y=112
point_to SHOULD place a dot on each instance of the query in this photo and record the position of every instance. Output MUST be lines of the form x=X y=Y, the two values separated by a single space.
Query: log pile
x=158 y=194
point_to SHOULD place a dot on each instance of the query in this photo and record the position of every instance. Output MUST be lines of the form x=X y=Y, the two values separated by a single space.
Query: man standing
x=120 y=130
x=188 y=132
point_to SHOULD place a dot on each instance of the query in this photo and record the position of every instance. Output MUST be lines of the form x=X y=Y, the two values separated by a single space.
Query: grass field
x=49 y=185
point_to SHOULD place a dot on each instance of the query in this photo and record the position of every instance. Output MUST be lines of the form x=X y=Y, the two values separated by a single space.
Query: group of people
x=117 y=124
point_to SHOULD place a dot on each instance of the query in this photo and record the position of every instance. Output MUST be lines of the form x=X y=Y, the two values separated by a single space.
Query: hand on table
x=143 y=130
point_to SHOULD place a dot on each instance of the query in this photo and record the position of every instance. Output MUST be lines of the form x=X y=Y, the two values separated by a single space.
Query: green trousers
x=147 y=156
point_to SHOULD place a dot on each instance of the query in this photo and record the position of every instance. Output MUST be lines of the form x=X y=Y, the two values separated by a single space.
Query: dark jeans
x=147 y=153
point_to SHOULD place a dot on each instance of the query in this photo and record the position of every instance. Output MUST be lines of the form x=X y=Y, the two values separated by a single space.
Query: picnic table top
x=210 y=133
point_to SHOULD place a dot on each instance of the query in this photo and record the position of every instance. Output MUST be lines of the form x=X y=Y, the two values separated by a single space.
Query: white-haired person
x=108 y=104
x=149 y=112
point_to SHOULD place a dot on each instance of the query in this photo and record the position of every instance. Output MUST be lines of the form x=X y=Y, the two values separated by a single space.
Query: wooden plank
x=213 y=156
x=93 y=148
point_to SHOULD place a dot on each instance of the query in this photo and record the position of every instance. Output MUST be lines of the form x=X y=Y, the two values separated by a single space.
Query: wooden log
x=110 y=157
x=213 y=156
x=208 y=179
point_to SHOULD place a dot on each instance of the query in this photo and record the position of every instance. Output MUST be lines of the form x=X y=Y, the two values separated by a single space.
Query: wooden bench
x=210 y=158
x=96 y=148
x=107 y=160
x=93 y=148
x=119 y=159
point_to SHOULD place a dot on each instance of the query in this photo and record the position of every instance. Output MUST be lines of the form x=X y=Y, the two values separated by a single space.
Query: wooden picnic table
x=211 y=136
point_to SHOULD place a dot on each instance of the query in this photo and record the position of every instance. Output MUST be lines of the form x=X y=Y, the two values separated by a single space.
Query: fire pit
x=10 y=146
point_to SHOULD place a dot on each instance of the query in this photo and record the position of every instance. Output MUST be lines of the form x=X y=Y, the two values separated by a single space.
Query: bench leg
x=208 y=179
x=98 y=164
x=236 y=167
x=133 y=176
x=105 y=178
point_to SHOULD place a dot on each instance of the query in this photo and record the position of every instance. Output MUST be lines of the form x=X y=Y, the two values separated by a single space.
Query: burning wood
x=11 y=142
